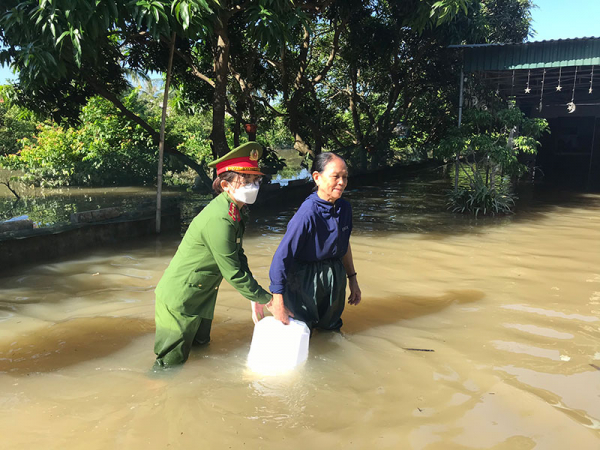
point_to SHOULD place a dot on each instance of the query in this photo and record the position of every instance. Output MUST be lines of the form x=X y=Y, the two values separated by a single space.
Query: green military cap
x=242 y=159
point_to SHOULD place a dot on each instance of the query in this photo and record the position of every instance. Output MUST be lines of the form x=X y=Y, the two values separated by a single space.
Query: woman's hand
x=258 y=311
x=355 y=294
x=278 y=309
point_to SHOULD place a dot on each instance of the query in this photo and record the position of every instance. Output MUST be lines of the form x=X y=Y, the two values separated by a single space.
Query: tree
x=66 y=52
x=52 y=42
x=104 y=149
x=399 y=73
x=338 y=73
x=15 y=123
x=492 y=139
x=314 y=61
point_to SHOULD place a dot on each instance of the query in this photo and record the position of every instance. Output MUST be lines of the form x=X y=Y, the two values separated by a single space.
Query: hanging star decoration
x=559 y=88
x=527 y=90
x=542 y=92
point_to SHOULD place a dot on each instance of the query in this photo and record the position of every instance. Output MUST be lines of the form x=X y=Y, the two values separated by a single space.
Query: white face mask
x=246 y=193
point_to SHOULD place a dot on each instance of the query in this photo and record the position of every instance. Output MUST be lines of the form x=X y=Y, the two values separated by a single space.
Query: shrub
x=477 y=197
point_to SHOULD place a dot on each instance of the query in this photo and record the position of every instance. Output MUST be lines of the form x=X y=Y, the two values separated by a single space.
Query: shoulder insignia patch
x=234 y=213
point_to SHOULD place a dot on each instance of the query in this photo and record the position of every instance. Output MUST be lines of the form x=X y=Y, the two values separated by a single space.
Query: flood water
x=53 y=206
x=472 y=334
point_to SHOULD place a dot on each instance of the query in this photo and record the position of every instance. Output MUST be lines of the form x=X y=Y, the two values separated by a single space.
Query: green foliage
x=479 y=198
x=115 y=151
x=394 y=68
x=270 y=162
x=49 y=158
x=189 y=134
x=490 y=142
x=106 y=149
x=277 y=134
x=506 y=21
x=15 y=124
x=48 y=35
x=494 y=138
x=319 y=76
x=269 y=24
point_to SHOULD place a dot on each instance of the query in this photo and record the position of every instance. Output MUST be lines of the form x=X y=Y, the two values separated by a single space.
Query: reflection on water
x=507 y=307
x=46 y=207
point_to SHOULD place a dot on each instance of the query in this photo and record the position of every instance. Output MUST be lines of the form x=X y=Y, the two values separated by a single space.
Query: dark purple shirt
x=318 y=231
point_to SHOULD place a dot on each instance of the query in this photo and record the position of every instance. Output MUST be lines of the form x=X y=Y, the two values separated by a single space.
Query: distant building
x=558 y=80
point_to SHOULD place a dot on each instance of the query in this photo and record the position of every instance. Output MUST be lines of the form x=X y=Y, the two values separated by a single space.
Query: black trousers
x=316 y=293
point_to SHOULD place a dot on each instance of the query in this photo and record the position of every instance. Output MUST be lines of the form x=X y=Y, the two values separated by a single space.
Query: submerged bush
x=479 y=198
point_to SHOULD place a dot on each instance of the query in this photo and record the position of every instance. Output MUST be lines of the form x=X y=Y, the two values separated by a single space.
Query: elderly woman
x=314 y=259
x=210 y=251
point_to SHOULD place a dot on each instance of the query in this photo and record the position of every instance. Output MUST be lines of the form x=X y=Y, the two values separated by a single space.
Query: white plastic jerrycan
x=278 y=348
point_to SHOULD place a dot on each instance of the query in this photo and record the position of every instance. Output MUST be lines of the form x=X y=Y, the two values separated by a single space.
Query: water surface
x=508 y=309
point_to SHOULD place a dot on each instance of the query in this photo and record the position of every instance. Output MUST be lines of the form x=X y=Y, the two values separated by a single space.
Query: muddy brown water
x=508 y=310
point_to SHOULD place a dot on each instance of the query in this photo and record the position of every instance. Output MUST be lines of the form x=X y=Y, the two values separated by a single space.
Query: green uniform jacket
x=210 y=251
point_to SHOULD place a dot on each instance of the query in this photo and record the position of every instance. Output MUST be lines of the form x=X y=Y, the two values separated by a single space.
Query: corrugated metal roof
x=531 y=55
x=524 y=43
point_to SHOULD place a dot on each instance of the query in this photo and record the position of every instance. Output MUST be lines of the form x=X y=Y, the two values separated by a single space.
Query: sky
x=552 y=19
x=565 y=19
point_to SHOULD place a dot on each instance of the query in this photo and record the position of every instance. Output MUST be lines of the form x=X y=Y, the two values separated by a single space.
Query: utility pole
x=460 y=108
x=161 y=145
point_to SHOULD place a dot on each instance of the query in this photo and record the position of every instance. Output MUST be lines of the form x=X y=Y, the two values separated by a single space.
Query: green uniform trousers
x=316 y=293
x=177 y=329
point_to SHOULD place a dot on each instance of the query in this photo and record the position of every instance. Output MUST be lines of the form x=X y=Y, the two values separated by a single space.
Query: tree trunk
x=301 y=146
x=354 y=106
x=7 y=184
x=161 y=145
x=221 y=63
x=252 y=114
x=318 y=142
x=236 y=133
x=293 y=124
x=238 y=125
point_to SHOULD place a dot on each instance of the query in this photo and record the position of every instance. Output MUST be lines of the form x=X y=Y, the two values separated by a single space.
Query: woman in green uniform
x=210 y=251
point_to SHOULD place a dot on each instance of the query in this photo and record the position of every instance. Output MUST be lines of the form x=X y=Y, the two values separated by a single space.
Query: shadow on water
x=228 y=336
x=394 y=309
x=225 y=337
x=79 y=340
x=67 y=343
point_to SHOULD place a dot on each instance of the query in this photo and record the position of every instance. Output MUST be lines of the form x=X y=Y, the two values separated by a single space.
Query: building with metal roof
x=558 y=80
x=531 y=55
